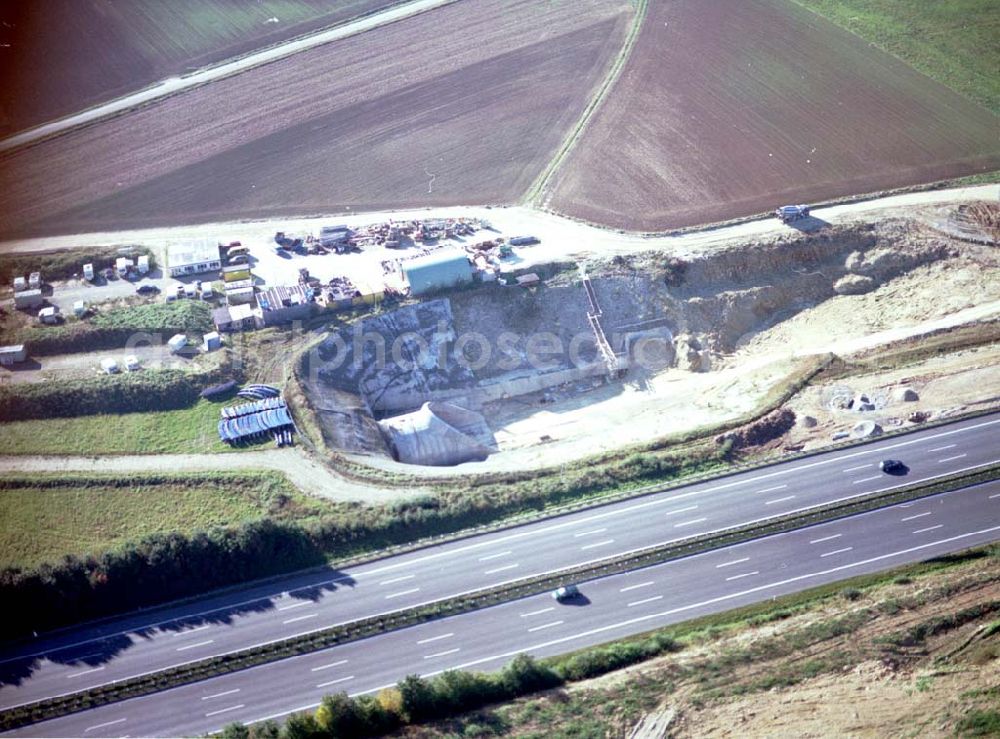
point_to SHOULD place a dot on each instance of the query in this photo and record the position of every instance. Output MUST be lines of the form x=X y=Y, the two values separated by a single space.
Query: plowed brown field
x=61 y=56
x=463 y=104
x=732 y=107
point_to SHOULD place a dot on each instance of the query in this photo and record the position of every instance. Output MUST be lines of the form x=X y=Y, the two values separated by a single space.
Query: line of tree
x=418 y=700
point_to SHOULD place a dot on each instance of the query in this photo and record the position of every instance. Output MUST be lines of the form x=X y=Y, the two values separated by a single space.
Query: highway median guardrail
x=466 y=602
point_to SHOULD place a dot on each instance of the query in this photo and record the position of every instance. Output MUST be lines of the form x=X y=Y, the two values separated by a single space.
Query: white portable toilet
x=122 y=266
x=212 y=341
x=143 y=264
x=88 y=272
x=79 y=308
x=177 y=342
x=35 y=280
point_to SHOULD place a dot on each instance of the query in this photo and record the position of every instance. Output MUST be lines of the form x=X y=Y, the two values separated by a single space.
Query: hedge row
x=150 y=390
x=114 y=329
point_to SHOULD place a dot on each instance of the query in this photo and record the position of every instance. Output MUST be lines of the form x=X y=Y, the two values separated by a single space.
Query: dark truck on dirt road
x=789 y=213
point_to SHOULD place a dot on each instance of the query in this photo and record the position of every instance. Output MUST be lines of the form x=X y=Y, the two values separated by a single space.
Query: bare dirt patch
x=462 y=104
x=730 y=108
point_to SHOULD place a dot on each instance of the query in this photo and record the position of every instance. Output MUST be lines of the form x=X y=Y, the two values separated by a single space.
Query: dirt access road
x=302 y=471
x=177 y=84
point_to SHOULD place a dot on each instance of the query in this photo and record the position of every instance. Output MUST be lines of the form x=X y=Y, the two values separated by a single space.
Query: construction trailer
x=235 y=318
x=236 y=273
x=109 y=366
x=193 y=257
x=285 y=304
x=12 y=354
x=437 y=271
x=49 y=315
x=28 y=299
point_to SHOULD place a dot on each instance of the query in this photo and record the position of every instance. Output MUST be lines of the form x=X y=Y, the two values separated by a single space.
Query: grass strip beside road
x=364 y=628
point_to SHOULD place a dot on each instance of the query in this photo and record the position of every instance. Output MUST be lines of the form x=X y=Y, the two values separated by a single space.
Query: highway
x=76 y=659
x=611 y=608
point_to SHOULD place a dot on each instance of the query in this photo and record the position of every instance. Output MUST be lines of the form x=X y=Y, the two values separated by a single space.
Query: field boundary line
x=537 y=189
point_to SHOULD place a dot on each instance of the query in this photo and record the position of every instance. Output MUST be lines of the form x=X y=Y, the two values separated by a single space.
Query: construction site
x=599 y=353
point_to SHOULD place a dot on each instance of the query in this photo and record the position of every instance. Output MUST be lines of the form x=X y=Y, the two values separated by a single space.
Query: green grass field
x=186 y=431
x=956 y=42
x=48 y=517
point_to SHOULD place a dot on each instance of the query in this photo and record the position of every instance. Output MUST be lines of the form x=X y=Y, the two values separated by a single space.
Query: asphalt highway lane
x=76 y=659
x=611 y=607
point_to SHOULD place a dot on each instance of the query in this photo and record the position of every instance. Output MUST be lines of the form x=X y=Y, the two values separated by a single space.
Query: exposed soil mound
x=762 y=431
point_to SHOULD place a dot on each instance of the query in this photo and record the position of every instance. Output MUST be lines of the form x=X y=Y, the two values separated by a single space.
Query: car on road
x=893 y=467
x=789 y=213
x=565 y=593
x=147 y=290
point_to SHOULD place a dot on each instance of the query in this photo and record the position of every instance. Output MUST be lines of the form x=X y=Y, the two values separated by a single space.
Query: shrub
x=419 y=698
x=524 y=675
x=979 y=723
x=851 y=594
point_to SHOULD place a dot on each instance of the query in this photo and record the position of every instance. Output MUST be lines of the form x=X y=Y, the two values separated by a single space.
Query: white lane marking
x=334 y=682
x=435 y=638
x=919 y=515
x=501 y=569
x=689 y=523
x=942 y=448
x=860 y=467
x=598 y=544
x=771 y=490
x=778 y=500
x=866 y=479
x=441 y=654
x=299 y=618
x=191 y=631
x=107 y=723
x=296 y=605
x=745 y=574
x=536 y=613
x=219 y=695
x=224 y=710
x=952 y=459
x=589 y=533
x=837 y=551
x=919 y=438
x=711 y=601
x=997 y=495
x=397 y=579
x=645 y=600
x=826 y=538
x=734 y=562
x=494 y=556
x=193 y=646
x=929 y=528
x=636 y=587
x=681 y=510
x=404 y=592
x=546 y=626
x=87 y=672
x=338 y=663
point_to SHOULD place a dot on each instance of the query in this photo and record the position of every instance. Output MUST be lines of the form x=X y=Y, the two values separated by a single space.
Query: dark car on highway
x=893 y=467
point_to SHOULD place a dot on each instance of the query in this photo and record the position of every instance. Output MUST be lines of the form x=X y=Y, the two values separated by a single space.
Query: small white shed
x=132 y=363
x=79 y=308
x=142 y=264
x=49 y=315
x=109 y=365
x=177 y=342
x=212 y=341
x=88 y=272
x=20 y=284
